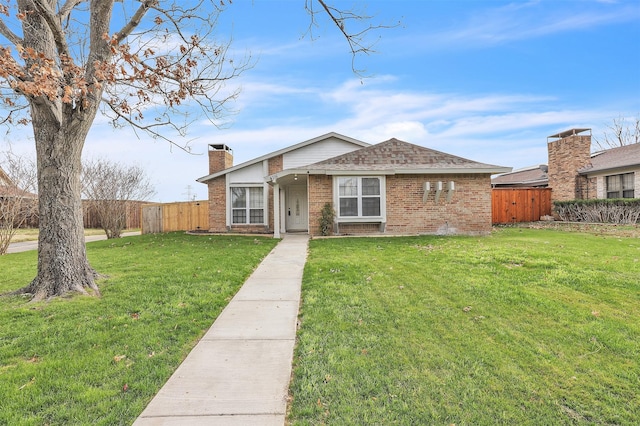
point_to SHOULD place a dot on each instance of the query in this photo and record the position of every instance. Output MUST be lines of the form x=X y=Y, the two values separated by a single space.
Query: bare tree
x=355 y=25
x=110 y=188
x=144 y=63
x=18 y=202
x=620 y=132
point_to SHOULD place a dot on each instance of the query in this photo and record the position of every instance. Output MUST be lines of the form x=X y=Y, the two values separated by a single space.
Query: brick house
x=16 y=203
x=393 y=187
x=576 y=173
x=9 y=189
x=4 y=179
x=613 y=173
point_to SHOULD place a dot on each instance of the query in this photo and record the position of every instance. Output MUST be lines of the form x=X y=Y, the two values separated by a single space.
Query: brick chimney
x=220 y=158
x=568 y=153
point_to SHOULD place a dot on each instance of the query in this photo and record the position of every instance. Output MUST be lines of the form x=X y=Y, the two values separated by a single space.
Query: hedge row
x=618 y=210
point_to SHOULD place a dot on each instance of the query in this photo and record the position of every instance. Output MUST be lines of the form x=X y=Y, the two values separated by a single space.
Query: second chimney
x=568 y=152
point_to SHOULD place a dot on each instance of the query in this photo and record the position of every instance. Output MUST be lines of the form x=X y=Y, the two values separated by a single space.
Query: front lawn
x=521 y=327
x=100 y=361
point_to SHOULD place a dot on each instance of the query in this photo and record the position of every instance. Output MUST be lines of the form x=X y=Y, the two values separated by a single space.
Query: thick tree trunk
x=60 y=127
x=62 y=260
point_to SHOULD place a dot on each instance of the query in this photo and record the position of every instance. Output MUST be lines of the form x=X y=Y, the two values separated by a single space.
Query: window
x=620 y=186
x=359 y=197
x=247 y=205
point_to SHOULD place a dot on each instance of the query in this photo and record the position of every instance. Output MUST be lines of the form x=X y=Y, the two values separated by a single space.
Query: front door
x=296 y=209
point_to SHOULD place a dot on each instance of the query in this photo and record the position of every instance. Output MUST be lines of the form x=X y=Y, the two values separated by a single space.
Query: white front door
x=296 y=209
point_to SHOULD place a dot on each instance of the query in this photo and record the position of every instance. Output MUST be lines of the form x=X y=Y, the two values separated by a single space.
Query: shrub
x=618 y=210
x=327 y=216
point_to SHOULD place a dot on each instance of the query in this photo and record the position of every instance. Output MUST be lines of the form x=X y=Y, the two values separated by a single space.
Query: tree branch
x=54 y=25
x=149 y=128
x=344 y=19
x=67 y=8
x=134 y=21
x=10 y=35
x=619 y=133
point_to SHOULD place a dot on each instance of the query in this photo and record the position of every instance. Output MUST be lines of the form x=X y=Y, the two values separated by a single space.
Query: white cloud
x=403 y=130
x=501 y=129
x=520 y=21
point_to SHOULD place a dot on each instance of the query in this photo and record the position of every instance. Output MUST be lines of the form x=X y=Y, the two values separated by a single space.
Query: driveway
x=33 y=245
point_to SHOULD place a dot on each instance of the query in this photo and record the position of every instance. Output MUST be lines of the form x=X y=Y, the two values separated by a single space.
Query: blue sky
x=485 y=80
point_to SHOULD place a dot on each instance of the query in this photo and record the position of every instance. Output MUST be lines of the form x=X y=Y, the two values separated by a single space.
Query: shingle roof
x=531 y=176
x=8 y=189
x=4 y=179
x=396 y=155
x=614 y=158
x=12 y=191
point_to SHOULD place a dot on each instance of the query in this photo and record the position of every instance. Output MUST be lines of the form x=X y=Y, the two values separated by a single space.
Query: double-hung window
x=247 y=205
x=360 y=197
x=620 y=186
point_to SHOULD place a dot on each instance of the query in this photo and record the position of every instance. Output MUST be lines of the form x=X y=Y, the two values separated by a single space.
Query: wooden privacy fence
x=510 y=205
x=91 y=219
x=185 y=216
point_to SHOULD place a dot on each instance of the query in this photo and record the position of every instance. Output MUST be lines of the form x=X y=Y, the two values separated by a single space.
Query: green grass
x=532 y=327
x=88 y=360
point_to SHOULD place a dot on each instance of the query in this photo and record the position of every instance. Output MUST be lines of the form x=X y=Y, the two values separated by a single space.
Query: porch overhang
x=289 y=176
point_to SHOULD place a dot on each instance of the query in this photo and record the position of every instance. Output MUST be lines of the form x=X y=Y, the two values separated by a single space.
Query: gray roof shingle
x=614 y=158
x=532 y=176
x=396 y=155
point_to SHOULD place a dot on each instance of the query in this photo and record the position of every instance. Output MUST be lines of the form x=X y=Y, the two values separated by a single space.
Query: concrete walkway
x=239 y=373
x=33 y=245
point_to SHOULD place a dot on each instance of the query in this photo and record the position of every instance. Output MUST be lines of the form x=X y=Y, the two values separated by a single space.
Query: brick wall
x=566 y=157
x=468 y=212
x=218 y=195
x=251 y=229
x=320 y=192
x=587 y=187
x=217 y=201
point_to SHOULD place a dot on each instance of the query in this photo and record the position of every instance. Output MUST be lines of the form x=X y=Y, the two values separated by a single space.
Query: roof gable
x=357 y=143
x=614 y=158
x=399 y=156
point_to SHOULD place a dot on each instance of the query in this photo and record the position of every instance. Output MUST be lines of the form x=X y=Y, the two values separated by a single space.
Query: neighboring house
x=614 y=173
x=9 y=189
x=393 y=187
x=5 y=182
x=529 y=177
x=576 y=173
x=16 y=204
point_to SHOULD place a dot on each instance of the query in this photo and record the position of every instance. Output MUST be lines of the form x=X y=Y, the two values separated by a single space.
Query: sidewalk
x=239 y=373
x=33 y=245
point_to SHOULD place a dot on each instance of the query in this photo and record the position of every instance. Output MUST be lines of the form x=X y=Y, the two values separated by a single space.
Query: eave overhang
x=274 y=178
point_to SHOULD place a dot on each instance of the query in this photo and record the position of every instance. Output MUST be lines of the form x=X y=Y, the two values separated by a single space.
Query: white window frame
x=247 y=208
x=359 y=196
